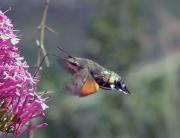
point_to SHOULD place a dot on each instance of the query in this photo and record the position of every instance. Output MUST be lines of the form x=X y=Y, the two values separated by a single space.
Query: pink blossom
x=19 y=102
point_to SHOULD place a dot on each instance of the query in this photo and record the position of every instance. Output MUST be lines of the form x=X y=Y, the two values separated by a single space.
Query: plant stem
x=41 y=51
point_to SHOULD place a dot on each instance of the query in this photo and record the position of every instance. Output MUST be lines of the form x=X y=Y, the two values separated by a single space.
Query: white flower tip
x=44 y=106
x=14 y=41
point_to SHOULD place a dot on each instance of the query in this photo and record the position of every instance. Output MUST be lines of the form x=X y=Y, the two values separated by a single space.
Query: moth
x=89 y=76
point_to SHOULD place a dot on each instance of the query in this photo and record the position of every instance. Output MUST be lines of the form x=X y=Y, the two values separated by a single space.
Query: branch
x=41 y=52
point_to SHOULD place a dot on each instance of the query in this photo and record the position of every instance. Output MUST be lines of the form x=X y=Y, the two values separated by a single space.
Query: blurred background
x=139 y=39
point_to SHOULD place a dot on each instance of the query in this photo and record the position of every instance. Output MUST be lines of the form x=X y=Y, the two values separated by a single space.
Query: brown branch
x=42 y=29
x=41 y=51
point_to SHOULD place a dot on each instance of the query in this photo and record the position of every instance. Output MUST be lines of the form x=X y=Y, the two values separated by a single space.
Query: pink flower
x=19 y=102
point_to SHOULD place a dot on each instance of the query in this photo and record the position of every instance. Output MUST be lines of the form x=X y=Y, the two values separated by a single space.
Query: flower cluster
x=19 y=102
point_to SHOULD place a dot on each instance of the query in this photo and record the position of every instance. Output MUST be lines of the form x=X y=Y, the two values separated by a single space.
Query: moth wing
x=73 y=86
x=82 y=84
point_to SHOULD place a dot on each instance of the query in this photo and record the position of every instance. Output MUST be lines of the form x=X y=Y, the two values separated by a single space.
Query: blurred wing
x=82 y=84
x=63 y=63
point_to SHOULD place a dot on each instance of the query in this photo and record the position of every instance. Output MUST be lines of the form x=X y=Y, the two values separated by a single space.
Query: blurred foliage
x=113 y=34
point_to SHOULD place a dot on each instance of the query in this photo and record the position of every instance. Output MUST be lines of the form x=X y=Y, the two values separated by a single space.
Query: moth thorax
x=113 y=77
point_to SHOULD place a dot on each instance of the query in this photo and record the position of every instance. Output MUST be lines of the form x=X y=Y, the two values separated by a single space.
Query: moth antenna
x=65 y=52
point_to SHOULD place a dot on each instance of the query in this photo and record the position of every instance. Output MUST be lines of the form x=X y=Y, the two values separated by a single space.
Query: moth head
x=72 y=65
x=120 y=86
x=72 y=62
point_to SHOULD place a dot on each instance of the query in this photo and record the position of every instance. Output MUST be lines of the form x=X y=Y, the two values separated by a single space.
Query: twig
x=42 y=29
x=41 y=51
x=51 y=30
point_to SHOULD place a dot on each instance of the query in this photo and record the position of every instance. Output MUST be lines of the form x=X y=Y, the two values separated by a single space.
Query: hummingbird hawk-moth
x=89 y=76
